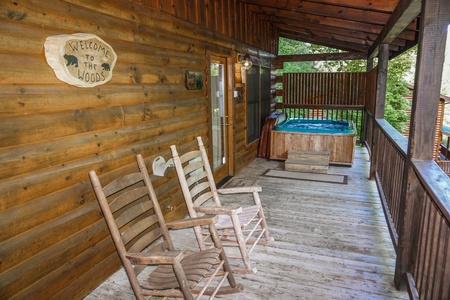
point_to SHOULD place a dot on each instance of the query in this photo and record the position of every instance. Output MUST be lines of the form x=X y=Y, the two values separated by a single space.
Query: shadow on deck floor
x=331 y=240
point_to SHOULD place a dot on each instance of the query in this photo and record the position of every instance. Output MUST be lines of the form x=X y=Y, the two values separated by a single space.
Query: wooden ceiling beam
x=325 y=35
x=346 y=46
x=292 y=16
x=403 y=15
x=344 y=25
x=307 y=26
x=322 y=57
x=373 y=5
x=316 y=19
x=322 y=9
x=323 y=42
x=312 y=29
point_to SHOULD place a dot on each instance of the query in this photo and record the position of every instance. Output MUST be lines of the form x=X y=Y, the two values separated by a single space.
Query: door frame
x=229 y=168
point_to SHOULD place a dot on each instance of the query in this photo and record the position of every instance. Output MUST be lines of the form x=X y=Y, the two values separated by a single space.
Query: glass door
x=219 y=118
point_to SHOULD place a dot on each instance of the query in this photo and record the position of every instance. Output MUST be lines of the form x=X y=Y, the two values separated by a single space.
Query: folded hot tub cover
x=273 y=119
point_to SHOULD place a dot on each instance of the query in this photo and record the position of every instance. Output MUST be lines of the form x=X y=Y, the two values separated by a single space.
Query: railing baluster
x=425 y=248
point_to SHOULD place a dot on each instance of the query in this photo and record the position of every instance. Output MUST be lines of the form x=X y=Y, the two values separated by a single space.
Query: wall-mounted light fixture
x=245 y=61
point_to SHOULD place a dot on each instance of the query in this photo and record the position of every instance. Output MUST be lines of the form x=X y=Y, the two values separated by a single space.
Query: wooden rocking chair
x=134 y=218
x=242 y=227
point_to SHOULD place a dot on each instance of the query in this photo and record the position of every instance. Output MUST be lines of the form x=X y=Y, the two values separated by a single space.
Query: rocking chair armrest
x=240 y=190
x=218 y=210
x=191 y=222
x=166 y=258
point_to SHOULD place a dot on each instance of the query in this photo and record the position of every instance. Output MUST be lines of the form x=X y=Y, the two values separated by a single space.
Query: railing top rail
x=437 y=183
x=400 y=142
x=322 y=106
x=324 y=73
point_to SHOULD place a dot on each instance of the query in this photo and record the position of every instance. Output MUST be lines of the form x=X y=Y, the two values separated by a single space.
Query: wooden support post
x=430 y=61
x=369 y=68
x=432 y=40
x=369 y=64
x=381 y=81
x=380 y=101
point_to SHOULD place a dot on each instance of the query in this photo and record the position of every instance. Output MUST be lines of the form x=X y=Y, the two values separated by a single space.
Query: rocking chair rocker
x=241 y=227
x=135 y=220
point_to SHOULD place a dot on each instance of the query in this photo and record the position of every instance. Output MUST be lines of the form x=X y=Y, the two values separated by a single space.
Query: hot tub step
x=307 y=161
x=302 y=165
x=310 y=155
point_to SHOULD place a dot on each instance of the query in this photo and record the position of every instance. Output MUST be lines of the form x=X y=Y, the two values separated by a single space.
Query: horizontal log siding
x=228 y=17
x=53 y=240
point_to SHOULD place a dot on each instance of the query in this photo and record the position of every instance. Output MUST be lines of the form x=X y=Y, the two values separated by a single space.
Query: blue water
x=316 y=126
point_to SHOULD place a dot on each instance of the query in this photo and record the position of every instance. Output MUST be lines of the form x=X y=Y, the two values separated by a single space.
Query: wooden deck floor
x=331 y=240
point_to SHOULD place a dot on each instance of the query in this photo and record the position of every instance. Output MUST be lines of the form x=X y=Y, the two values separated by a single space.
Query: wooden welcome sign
x=81 y=59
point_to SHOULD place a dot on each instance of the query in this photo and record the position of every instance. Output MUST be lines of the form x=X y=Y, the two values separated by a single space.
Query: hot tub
x=336 y=137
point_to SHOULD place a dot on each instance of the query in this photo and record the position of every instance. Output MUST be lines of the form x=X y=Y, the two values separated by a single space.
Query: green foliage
x=396 y=105
x=288 y=47
x=399 y=75
x=338 y=65
x=298 y=67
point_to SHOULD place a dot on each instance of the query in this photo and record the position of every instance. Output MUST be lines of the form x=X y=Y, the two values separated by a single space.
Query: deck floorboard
x=331 y=240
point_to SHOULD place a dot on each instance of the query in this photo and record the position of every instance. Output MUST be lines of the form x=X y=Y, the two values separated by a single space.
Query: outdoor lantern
x=245 y=61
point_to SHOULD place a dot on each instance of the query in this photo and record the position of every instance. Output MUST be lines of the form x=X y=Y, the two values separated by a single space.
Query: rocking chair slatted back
x=141 y=236
x=126 y=211
x=200 y=185
x=237 y=226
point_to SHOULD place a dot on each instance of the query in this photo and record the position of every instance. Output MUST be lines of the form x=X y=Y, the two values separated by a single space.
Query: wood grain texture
x=53 y=243
x=331 y=240
x=340 y=146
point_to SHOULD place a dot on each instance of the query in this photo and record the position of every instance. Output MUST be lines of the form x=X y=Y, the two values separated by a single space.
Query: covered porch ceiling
x=354 y=26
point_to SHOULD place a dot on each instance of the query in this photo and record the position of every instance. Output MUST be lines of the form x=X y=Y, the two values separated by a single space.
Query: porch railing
x=417 y=210
x=415 y=195
x=388 y=164
x=324 y=96
x=444 y=165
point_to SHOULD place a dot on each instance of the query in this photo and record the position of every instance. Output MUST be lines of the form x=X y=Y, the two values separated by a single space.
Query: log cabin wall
x=54 y=243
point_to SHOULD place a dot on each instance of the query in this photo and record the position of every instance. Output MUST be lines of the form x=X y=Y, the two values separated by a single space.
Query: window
x=258 y=100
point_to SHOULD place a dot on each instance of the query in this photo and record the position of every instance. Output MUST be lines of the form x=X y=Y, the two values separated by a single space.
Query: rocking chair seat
x=243 y=227
x=142 y=239
x=245 y=217
x=195 y=265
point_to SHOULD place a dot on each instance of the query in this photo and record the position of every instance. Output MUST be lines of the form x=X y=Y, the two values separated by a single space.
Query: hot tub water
x=316 y=126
